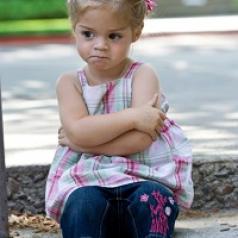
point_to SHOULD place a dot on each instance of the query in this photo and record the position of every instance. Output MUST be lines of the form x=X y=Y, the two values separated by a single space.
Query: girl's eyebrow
x=86 y=27
x=111 y=30
x=119 y=29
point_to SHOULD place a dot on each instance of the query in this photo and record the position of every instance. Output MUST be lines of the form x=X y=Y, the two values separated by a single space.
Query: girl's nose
x=101 y=44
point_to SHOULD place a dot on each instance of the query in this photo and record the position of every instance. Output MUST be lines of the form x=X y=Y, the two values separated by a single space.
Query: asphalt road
x=198 y=73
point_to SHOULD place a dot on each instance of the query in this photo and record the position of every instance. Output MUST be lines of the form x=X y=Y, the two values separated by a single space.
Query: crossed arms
x=122 y=133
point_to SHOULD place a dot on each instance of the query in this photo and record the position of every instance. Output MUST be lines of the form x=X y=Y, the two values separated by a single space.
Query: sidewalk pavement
x=191 y=25
x=219 y=225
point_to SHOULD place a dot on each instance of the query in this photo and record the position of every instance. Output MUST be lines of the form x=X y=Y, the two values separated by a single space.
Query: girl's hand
x=62 y=138
x=150 y=119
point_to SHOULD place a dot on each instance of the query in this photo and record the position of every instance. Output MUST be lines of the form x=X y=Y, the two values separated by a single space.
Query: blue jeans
x=138 y=210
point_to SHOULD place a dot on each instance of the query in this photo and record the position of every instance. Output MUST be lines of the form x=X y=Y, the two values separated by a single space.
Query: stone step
x=215 y=183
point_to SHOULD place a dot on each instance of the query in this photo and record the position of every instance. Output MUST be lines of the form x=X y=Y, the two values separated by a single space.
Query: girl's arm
x=88 y=131
x=145 y=84
x=126 y=144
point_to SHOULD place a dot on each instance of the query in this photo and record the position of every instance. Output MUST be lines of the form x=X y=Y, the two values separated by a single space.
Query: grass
x=35 y=27
x=32 y=9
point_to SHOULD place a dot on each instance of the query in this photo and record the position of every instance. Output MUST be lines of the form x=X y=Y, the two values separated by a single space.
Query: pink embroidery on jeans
x=159 y=219
x=144 y=197
x=167 y=211
x=171 y=200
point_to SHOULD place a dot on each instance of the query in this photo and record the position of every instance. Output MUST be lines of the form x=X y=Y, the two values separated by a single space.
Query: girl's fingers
x=153 y=135
x=62 y=141
x=160 y=124
x=162 y=115
x=158 y=130
x=60 y=129
x=61 y=135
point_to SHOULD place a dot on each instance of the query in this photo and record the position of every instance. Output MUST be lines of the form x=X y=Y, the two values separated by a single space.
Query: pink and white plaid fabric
x=168 y=160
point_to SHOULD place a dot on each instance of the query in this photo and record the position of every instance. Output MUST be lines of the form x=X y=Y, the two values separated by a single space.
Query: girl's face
x=102 y=38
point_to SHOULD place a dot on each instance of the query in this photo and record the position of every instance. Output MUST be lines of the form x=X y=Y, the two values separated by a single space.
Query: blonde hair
x=134 y=11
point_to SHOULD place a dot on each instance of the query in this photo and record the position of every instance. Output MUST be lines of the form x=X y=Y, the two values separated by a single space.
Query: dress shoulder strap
x=81 y=77
x=132 y=69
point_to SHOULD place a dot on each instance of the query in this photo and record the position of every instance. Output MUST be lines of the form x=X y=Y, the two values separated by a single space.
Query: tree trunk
x=3 y=189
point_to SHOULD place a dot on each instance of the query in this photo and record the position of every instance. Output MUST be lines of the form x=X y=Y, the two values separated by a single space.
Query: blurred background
x=185 y=8
x=41 y=17
x=205 y=61
x=192 y=44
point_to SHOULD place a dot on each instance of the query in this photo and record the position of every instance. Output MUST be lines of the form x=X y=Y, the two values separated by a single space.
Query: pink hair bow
x=150 y=4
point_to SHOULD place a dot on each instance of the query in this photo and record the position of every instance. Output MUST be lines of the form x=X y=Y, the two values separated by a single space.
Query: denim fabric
x=138 y=210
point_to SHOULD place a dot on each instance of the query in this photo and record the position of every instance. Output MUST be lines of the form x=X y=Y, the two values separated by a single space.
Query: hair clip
x=150 y=4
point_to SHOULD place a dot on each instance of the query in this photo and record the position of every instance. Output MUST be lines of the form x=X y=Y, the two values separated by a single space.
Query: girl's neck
x=96 y=77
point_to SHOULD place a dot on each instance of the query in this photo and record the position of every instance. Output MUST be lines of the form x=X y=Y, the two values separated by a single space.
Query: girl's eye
x=115 y=36
x=87 y=34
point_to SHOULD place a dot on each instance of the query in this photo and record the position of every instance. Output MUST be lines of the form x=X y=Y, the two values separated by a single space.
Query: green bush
x=35 y=27
x=32 y=9
x=235 y=3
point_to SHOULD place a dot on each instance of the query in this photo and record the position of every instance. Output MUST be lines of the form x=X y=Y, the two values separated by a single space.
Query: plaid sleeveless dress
x=168 y=160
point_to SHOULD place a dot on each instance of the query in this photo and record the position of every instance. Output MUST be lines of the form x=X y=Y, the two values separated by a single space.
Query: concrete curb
x=216 y=186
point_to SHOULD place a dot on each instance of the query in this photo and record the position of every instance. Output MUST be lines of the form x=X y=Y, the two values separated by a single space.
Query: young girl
x=122 y=167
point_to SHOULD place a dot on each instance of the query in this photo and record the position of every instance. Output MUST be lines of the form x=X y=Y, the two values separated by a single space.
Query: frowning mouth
x=98 y=57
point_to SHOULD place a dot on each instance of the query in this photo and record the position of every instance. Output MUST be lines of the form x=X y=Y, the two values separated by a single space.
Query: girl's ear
x=137 y=32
